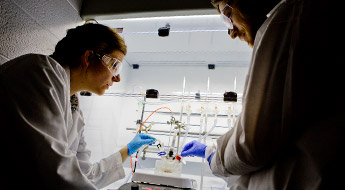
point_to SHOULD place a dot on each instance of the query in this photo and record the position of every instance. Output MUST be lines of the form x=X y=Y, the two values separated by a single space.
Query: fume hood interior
x=191 y=68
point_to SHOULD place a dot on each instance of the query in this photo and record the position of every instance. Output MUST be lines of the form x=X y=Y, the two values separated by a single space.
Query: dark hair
x=252 y=11
x=90 y=36
x=215 y=3
x=249 y=8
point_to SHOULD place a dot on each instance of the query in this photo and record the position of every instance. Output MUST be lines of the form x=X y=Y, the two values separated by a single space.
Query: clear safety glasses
x=226 y=14
x=114 y=65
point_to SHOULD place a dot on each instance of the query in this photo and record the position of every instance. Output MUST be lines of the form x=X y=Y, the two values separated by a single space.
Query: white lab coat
x=40 y=141
x=291 y=132
x=101 y=173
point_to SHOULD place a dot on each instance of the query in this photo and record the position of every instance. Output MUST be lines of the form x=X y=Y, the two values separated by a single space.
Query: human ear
x=86 y=58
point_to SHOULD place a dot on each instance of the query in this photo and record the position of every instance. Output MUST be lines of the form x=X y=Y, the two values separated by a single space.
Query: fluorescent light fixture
x=177 y=31
x=167 y=17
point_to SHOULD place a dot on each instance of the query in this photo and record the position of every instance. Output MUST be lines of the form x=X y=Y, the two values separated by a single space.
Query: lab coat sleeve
x=104 y=172
x=37 y=120
x=261 y=131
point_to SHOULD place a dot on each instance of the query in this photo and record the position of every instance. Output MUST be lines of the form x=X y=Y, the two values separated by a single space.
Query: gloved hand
x=138 y=141
x=194 y=148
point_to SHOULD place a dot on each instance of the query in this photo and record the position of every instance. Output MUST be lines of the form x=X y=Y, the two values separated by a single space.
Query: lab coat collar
x=275 y=8
x=68 y=72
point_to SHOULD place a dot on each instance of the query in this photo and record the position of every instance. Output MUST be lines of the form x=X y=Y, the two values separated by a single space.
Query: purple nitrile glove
x=138 y=141
x=194 y=148
x=209 y=158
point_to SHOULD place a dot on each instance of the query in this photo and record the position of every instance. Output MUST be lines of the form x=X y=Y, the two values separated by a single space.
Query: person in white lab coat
x=42 y=139
x=291 y=131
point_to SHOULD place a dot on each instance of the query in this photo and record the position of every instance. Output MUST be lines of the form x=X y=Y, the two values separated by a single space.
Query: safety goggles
x=226 y=14
x=114 y=65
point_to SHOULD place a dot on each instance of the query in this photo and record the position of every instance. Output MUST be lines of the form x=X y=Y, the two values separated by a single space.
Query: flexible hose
x=142 y=126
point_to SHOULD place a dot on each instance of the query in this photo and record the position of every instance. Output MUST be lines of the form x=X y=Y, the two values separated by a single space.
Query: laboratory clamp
x=168 y=168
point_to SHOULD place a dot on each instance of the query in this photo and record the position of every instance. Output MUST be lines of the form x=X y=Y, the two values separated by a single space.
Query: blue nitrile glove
x=194 y=148
x=138 y=141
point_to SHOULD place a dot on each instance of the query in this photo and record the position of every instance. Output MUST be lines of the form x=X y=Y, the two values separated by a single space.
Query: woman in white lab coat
x=41 y=135
x=291 y=132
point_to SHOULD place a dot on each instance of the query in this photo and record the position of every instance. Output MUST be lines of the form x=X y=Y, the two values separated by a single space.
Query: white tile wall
x=76 y=4
x=35 y=26
x=3 y=59
x=55 y=16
